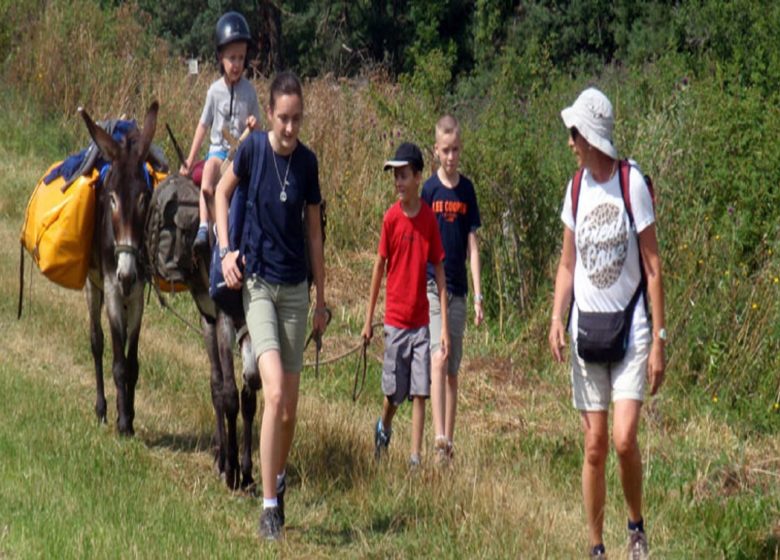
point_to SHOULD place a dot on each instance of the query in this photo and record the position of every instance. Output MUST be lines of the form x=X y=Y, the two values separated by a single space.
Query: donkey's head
x=124 y=200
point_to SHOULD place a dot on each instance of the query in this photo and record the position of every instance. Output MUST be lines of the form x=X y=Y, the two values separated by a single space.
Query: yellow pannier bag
x=58 y=228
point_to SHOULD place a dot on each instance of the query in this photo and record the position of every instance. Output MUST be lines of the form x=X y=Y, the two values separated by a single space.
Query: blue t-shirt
x=274 y=235
x=457 y=214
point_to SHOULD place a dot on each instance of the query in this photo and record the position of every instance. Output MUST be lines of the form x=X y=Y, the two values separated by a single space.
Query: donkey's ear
x=147 y=135
x=103 y=139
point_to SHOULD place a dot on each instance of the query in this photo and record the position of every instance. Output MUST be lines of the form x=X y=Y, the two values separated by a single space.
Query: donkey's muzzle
x=127 y=267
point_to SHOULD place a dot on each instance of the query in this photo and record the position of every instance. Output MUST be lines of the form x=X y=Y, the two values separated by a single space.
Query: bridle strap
x=121 y=248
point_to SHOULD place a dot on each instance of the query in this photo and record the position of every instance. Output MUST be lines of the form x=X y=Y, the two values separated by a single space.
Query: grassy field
x=70 y=488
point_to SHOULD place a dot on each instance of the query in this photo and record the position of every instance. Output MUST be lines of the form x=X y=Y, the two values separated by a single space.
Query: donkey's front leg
x=95 y=305
x=118 y=324
x=135 y=312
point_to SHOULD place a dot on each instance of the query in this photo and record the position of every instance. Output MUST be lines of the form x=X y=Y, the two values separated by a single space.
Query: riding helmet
x=232 y=27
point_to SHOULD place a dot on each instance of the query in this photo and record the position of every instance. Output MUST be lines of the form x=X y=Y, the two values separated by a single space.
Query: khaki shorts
x=276 y=316
x=594 y=385
x=406 y=371
x=456 y=321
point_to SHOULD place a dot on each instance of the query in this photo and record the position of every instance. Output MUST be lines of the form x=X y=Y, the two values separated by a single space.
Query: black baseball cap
x=406 y=154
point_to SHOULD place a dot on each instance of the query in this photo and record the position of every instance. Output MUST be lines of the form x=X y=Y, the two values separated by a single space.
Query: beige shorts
x=456 y=321
x=595 y=385
x=276 y=316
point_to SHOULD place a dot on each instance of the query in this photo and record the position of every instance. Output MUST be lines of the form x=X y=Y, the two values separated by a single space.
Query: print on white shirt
x=602 y=242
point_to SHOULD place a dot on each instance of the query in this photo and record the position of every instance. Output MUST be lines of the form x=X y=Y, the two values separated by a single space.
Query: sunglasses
x=574 y=133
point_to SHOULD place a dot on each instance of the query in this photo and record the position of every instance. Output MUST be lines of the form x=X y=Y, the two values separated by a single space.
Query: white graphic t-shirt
x=606 y=273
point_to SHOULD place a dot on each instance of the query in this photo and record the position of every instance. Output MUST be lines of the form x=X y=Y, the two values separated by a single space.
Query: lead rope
x=361 y=358
x=164 y=304
x=317 y=336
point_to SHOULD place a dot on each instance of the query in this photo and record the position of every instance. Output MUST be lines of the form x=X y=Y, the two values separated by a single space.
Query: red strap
x=576 y=183
x=624 y=168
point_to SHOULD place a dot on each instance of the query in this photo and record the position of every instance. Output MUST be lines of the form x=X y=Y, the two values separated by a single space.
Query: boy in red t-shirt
x=410 y=240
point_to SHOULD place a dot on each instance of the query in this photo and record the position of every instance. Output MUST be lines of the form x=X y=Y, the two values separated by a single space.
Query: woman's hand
x=319 y=322
x=656 y=365
x=557 y=339
x=231 y=270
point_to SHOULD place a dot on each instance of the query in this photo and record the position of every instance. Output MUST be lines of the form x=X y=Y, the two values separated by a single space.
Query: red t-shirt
x=408 y=244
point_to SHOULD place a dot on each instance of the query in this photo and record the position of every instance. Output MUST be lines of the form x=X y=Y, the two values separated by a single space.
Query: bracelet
x=478 y=298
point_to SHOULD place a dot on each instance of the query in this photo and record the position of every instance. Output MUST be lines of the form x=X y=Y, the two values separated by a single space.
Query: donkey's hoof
x=232 y=479
x=248 y=485
x=125 y=429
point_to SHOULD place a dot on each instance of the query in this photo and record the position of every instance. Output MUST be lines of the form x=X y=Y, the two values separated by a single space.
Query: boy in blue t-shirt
x=453 y=200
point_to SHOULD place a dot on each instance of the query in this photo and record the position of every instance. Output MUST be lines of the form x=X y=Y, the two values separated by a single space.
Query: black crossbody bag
x=603 y=337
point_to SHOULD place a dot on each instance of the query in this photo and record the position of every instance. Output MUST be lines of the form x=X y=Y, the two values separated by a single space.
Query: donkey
x=115 y=274
x=173 y=203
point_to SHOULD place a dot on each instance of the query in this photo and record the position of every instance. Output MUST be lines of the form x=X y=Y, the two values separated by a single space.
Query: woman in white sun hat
x=608 y=271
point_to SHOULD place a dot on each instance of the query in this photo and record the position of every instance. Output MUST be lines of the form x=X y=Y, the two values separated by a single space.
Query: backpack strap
x=624 y=172
x=254 y=186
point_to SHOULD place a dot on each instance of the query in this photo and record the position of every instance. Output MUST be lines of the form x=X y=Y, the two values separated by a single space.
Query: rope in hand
x=317 y=336
x=360 y=346
x=362 y=358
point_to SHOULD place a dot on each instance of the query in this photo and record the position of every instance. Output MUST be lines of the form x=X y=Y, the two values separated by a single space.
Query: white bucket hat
x=592 y=116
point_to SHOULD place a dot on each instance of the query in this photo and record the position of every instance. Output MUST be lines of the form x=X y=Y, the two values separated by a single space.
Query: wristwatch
x=662 y=334
x=223 y=251
x=478 y=298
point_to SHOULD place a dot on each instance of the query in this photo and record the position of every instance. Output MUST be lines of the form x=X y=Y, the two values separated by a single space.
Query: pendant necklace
x=284 y=184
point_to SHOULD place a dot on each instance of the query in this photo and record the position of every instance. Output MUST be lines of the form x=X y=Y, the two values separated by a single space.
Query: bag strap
x=254 y=187
x=624 y=172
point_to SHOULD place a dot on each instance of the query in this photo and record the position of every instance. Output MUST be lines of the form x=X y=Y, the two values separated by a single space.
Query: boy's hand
x=479 y=315
x=184 y=170
x=231 y=271
x=557 y=339
x=444 y=347
x=368 y=332
x=251 y=122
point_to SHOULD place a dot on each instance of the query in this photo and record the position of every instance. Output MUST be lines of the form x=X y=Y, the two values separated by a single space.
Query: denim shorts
x=221 y=154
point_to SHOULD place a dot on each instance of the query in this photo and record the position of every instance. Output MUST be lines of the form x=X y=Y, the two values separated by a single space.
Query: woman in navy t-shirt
x=282 y=174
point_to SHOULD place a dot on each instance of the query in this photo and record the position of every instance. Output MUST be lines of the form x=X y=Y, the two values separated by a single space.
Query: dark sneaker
x=281 y=487
x=201 y=244
x=637 y=545
x=270 y=524
x=381 y=440
x=598 y=552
